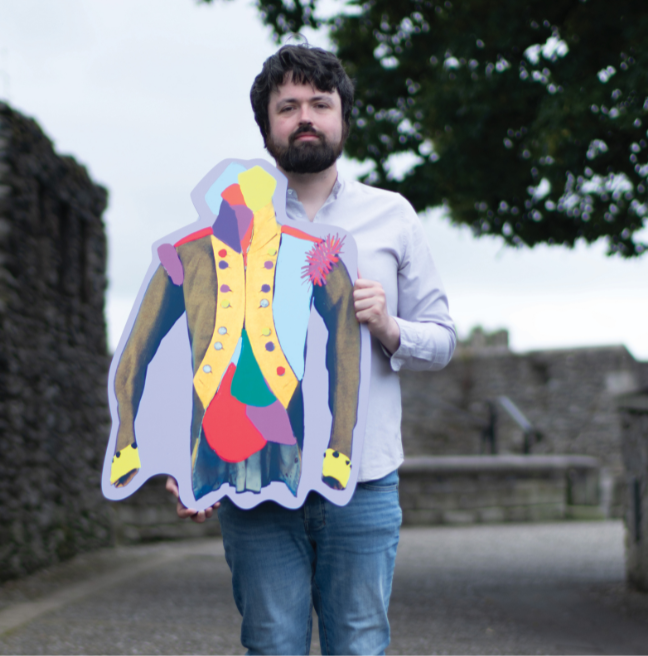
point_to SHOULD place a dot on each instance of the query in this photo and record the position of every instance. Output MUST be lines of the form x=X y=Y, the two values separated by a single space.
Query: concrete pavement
x=515 y=588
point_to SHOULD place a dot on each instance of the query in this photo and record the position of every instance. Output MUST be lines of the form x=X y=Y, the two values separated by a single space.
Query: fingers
x=366 y=289
x=184 y=512
x=172 y=486
x=363 y=283
x=367 y=304
x=203 y=515
x=370 y=304
x=369 y=294
x=198 y=516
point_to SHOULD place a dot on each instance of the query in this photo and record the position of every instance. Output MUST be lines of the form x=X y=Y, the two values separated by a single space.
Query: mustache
x=306 y=129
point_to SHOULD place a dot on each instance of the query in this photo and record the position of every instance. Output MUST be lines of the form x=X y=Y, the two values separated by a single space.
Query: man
x=338 y=559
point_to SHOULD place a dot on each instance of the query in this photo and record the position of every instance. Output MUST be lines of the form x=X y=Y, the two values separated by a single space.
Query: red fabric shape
x=280 y=371
x=222 y=252
x=205 y=232
x=227 y=428
x=321 y=259
x=294 y=232
x=233 y=195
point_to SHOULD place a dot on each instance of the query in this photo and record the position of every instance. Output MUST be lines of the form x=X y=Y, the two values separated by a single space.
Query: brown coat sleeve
x=161 y=307
x=334 y=302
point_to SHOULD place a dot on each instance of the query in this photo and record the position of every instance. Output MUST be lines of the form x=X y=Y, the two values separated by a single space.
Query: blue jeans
x=339 y=560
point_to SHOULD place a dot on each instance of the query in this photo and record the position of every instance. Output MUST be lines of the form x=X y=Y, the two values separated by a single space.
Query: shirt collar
x=291 y=194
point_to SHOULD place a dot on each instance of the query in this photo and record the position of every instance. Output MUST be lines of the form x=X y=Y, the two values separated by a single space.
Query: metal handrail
x=488 y=428
x=531 y=434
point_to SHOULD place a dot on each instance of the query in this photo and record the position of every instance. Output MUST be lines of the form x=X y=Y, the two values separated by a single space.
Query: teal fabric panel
x=248 y=385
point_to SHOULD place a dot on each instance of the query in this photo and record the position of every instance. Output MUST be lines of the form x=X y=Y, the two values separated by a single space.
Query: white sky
x=151 y=94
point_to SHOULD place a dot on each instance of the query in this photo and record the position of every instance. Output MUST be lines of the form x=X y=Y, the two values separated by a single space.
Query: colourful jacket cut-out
x=247 y=286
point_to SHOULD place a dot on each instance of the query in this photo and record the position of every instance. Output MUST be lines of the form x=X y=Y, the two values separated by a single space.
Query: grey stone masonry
x=634 y=417
x=487 y=489
x=150 y=515
x=53 y=359
x=568 y=395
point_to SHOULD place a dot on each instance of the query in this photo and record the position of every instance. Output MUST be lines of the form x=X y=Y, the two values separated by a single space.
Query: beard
x=305 y=156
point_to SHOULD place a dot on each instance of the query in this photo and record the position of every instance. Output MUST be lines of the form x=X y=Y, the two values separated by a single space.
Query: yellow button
x=272 y=251
x=266 y=332
x=225 y=304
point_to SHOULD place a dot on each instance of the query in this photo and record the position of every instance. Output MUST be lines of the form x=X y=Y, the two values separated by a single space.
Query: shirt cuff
x=422 y=346
x=399 y=356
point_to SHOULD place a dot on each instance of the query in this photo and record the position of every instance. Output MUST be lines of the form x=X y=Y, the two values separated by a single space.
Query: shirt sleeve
x=427 y=333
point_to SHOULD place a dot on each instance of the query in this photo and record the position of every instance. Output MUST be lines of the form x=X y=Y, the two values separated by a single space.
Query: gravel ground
x=516 y=589
x=509 y=589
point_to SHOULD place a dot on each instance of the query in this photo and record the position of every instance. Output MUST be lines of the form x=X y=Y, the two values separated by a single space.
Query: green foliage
x=285 y=16
x=527 y=119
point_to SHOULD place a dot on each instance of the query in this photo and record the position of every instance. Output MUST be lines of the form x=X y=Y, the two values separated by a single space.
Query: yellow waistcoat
x=244 y=303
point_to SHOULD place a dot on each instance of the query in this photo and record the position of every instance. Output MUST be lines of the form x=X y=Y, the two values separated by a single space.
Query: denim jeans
x=339 y=560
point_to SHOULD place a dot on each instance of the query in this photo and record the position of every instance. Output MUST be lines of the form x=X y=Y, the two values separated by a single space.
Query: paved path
x=512 y=589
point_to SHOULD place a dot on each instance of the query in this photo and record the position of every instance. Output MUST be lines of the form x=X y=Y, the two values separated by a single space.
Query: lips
x=305 y=134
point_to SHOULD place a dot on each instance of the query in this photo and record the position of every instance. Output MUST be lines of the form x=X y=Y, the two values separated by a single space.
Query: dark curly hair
x=308 y=65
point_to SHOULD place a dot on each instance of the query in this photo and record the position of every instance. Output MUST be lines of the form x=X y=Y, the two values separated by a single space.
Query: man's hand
x=370 y=305
x=183 y=512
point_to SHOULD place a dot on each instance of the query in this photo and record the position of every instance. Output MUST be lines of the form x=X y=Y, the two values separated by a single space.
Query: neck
x=312 y=189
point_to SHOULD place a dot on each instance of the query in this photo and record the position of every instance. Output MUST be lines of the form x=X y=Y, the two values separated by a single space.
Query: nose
x=305 y=116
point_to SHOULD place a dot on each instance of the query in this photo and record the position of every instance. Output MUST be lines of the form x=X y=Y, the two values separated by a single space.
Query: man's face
x=306 y=129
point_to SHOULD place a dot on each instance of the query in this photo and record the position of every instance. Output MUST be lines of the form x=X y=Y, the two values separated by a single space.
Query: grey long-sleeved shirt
x=393 y=250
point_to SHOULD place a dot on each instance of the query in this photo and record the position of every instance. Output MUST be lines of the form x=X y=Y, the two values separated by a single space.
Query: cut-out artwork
x=242 y=370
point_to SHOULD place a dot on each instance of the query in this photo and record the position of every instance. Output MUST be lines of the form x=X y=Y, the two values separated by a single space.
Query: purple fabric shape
x=244 y=216
x=171 y=262
x=225 y=288
x=222 y=264
x=272 y=422
x=268 y=264
x=225 y=227
x=265 y=288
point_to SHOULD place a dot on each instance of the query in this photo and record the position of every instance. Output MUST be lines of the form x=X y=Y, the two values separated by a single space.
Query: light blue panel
x=292 y=300
x=227 y=178
x=237 y=351
x=235 y=359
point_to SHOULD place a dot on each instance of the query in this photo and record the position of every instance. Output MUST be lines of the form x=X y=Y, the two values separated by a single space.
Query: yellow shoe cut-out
x=337 y=466
x=123 y=462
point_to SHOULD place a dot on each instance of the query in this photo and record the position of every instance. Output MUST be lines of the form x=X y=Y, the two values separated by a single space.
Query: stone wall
x=487 y=489
x=568 y=394
x=150 y=515
x=634 y=419
x=53 y=360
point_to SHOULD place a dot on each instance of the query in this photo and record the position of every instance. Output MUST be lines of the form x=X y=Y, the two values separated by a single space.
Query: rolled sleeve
x=423 y=346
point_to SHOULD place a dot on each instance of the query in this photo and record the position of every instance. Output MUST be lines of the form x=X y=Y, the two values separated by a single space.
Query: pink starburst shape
x=321 y=259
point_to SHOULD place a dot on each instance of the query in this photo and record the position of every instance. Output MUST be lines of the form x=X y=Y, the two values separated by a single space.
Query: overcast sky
x=151 y=94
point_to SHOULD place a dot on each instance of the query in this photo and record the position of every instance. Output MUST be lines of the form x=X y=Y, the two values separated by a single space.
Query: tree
x=526 y=119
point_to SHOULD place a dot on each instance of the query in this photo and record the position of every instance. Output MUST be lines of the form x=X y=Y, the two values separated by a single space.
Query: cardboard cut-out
x=242 y=370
